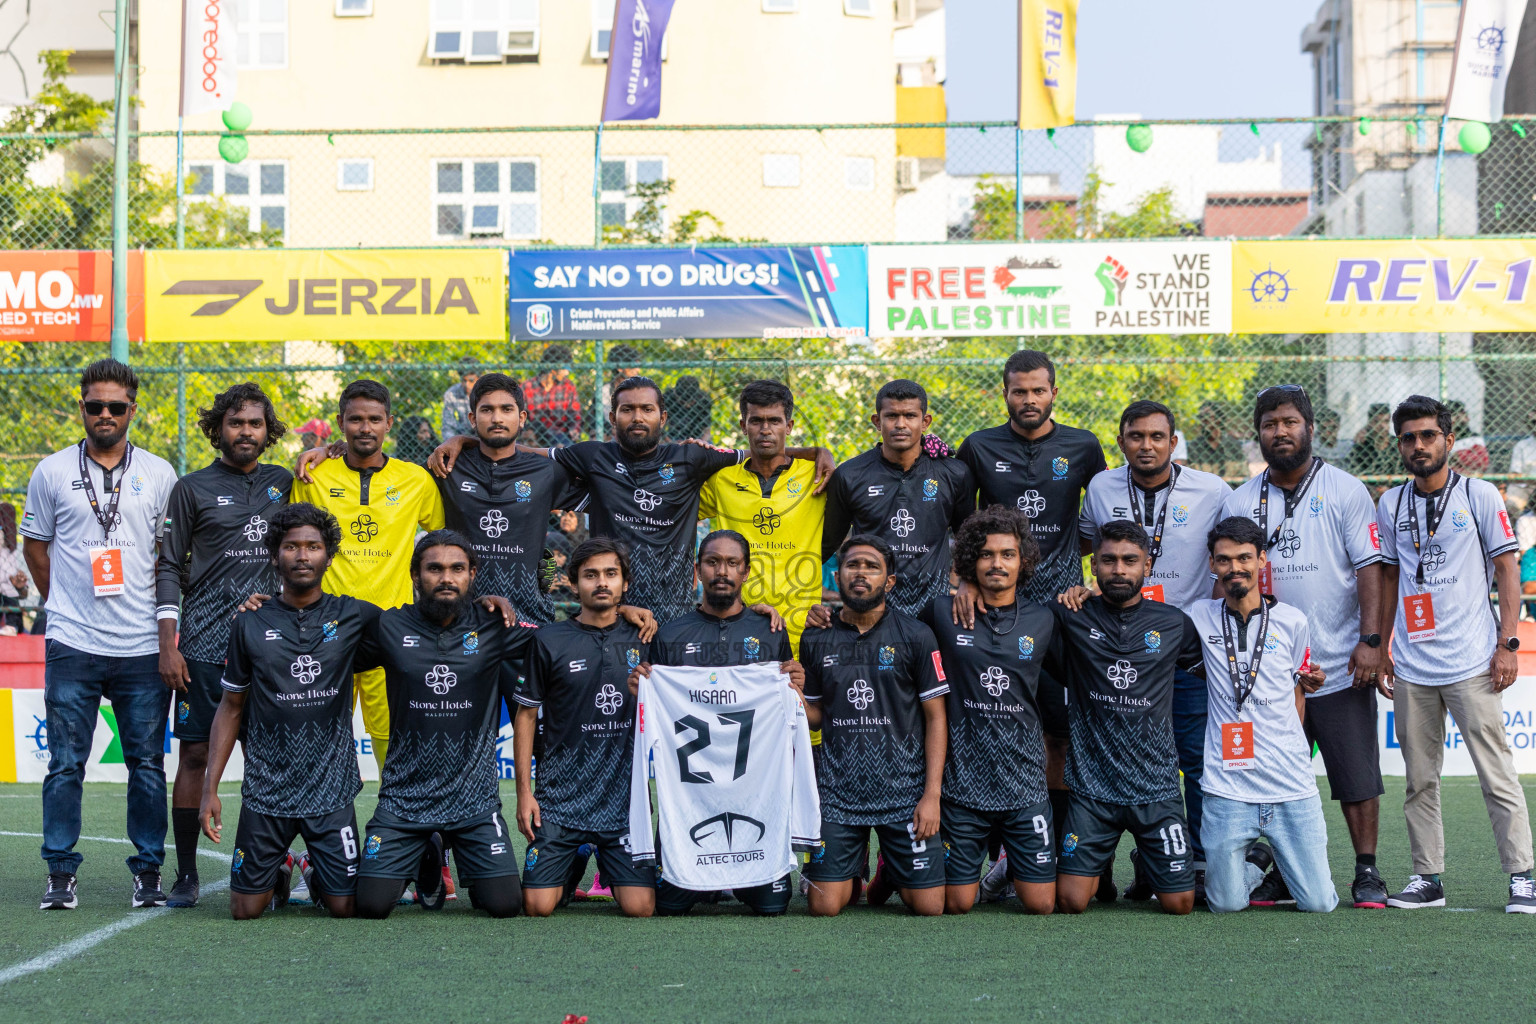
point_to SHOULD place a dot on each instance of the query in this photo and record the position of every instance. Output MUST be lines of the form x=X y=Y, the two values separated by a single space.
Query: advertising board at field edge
x=1317 y=286
x=65 y=295
x=326 y=295
x=1107 y=286
x=792 y=292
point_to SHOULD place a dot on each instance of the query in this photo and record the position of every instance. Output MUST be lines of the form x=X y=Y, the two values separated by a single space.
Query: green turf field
x=1124 y=962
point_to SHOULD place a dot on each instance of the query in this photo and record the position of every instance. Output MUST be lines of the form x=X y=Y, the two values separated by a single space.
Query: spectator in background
x=414 y=440
x=1522 y=462
x=623 y=361
x=1328 y=446
x=313 y=434
x=1375 y=449
x=15 y=581
x=554 y=407
x=688 y=409
x=1211 y=446
x=570 y=525
x=456 y=421
x=1470 y=455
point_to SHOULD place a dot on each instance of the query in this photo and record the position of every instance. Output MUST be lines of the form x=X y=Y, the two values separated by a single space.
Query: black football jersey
x=702 y=640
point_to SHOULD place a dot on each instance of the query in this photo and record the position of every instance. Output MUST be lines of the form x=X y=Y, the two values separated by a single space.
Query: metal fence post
x=1018 y=184
x=181 y=409
x=598 y=433
x=120 y=114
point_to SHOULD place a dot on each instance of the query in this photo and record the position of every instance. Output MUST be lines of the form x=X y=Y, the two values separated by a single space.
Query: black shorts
x=261 y=848
x=1162 y=838
x=1051 y=698
x=548 y=861
x=910 y=863
x=1343 y=725
x=482 y=847
x=769 y=900
x=1026 y=834
x=195 y=708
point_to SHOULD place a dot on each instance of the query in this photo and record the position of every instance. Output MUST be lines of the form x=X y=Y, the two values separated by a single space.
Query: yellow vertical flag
x=1047 y=63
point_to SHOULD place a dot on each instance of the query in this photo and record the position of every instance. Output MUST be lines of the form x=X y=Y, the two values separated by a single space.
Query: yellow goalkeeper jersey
x=380 y=511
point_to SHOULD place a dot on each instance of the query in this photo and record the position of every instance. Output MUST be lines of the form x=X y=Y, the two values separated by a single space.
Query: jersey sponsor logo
x=1180 y=515
x=273 y=634
x=223 y=499
x=646 y=500
x=255 y=529
x=902 y=523
x=875 y=490
x=1002 y=467
x=887 y=656
x=1153 y=639
x=1026 y=648
x=1290 y=543
x=965 y=640
x=666 y=473
x=364 y=528
x=305 y=669
x=467 y=486
x=392 y=494
x=930 y=489
x=274 y=494
x=1094 y=634
x=328 y=631
x=828 y=660
x=621 y=469
x=493 y=524
x=338 y=492
x=1121 y=675
x=938 y=666
x=410 y=640
x=727 y=820
x=1434 y=558
x=861 y=695
x=1504 y=522
x=523 y=490
x=1315 y=506
x=608 y=699
x=1460 y=520
x=693 y=648
x=441 y=679
x=994 y=680
x=750 y=647
x=632 y=657
x=471 y=642
x=1031 y=503
x=371 y=848
x=579 y=665
x=1059 y=467
x=766 y=521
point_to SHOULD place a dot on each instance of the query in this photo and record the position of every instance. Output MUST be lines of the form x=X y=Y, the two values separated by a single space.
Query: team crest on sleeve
x=1026 y=648
x=328 y=631
x=666 y=473
x=887 y=656
x=750 y=647
x=1059 y=468
x=1376 y=535
x=632 y=657
x=1153 y=639
x=471 y=642
x=274 y=494
x=523 y=489
x=1315 y=506
x=371 y=848
x=930 y=489
x=1504 y=522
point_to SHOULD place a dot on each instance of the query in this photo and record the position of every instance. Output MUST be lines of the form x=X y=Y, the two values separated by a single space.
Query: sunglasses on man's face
x=97 y=408
x=1427 y=437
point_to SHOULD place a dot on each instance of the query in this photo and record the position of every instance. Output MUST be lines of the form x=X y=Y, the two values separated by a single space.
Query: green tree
x=648 y=224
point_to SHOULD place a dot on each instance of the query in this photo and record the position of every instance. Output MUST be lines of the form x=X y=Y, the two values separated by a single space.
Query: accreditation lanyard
x=1242 y=686
x=1434 y=511
x=1292 y=501
x=1162 y=514
x=107 y=517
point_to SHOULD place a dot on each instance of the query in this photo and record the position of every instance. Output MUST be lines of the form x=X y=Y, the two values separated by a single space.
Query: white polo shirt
x=58 y=511
x=1472 y=530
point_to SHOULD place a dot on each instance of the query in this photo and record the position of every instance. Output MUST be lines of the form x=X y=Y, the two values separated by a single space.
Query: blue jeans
x=74 y=683
x=1190 y=703
x=1296 y=832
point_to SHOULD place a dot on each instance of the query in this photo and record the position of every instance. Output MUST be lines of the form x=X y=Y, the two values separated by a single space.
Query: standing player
x=1035 y=465
x=770 y=499
x=1119 y=653
x=288 y=691
x=994 y=780
x=899 y=493
x=873 y=680
x=212 y=557
x=380 y=503
x=577 y=673
x=448 y=669
x=1177 y=506
x=721 y=633
x=1325 y=559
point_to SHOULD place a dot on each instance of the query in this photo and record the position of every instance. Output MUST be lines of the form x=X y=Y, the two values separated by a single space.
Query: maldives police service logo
x=1059 y=468
x=750 y=646
x=887 y=656
x=471 y=642
x=274 y=494
x=328 y=631
x=994 y=680
x=523 y=489
x=666 y=473
x=608 y=699
x=632 y=657
x=861 y=695
x=1026 y=648
x=930 y=489
x=1460 y=520
x=540 y=320
x=1180 y=515
x=1153 y=639
x=1315 y=506
x=371 y=848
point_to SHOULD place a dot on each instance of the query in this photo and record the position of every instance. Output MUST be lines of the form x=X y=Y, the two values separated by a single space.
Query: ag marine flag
x=1485 y=53
x=632 y=91
x=1047 y=63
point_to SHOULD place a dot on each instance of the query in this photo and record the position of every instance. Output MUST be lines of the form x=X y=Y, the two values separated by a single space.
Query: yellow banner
x=1312 y=286
x=1047 y=63
x=326 y=295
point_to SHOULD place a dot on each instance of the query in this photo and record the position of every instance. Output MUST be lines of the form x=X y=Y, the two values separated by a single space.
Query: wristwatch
x=1371 y=639
x=1512 y=643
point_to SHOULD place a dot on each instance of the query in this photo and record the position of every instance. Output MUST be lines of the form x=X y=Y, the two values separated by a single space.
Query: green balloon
x=234 y=148
x=238 y=117
x=1474 y=137
x=1139 y=137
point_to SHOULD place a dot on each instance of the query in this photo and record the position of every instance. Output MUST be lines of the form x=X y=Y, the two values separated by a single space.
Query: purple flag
x=633 y=89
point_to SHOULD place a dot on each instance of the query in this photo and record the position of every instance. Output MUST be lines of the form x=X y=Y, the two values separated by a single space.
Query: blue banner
x=801 y=292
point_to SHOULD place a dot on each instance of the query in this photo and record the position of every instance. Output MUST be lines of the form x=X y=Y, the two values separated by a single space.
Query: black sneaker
x=1419 y=893
x=1368 y=890
x=183 y=893
x=1140 y=887
x=430 y=889
x=60 y=894
x=146 y=889
x=1200 y=900
x=1107 y=891
x=1271 y=892
x=284 y=884
x=1522 y=896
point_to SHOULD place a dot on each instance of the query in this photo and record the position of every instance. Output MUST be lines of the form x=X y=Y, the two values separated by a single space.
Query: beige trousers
x=1419 y=716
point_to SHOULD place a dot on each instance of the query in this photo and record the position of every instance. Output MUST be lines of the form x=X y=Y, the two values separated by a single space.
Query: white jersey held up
x=735 y=784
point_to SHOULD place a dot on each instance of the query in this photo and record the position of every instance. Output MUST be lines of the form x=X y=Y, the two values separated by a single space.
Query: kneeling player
x=873 y=680
x=288 y=682
x=577 y=672
x=1120 y=651
x=994 y=779
x=447 y=670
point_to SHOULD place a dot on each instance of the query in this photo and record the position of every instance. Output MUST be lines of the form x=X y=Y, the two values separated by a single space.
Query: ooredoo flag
x=1485 y=52
x=1047 y=63
x=632 y=91
x=207 y=55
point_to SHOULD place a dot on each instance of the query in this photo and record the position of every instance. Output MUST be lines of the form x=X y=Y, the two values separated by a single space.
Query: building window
x=261 y=34
x=781 y=6
x=354 y=8
x=602 y=29
x=260 y=187
x=483 y=31
x=781 y=170
x=355 y=175
x=619 y=178
x=859 y=8
x=492 y=197
x=859 y=173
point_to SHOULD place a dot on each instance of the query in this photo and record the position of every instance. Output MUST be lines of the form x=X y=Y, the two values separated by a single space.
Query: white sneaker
x=996 y=885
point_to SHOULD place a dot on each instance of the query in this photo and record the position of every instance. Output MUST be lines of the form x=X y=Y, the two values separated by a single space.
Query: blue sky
x=1156 y=58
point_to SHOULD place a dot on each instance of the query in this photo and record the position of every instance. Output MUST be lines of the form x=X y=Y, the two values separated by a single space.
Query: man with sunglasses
x=92 y=520
x=1441 y=532
x=1324 y=557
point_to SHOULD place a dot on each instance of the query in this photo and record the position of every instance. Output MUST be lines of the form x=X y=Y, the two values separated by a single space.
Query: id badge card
x=1419 y=615
x=107 y=571
x=1237 y=746
x=1152 y=593
x=1266 y=581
